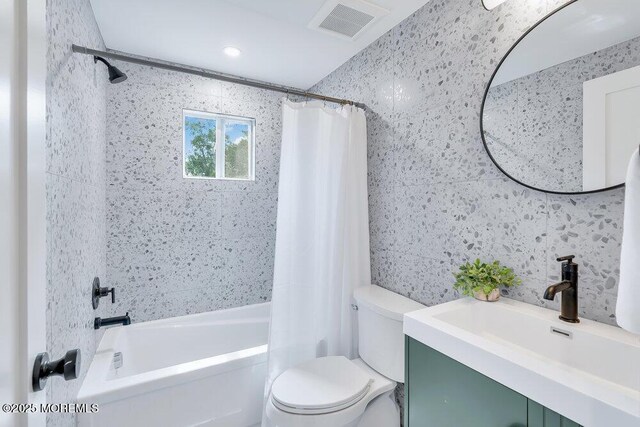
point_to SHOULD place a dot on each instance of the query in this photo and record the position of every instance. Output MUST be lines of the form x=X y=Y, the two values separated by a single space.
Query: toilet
x=337 y=392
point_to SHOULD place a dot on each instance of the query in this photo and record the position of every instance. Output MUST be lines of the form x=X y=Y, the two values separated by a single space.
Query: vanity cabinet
x=441 y=392
x=539 y=416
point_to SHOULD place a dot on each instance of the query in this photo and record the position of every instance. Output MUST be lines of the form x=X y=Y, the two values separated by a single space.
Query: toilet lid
x=321 y=385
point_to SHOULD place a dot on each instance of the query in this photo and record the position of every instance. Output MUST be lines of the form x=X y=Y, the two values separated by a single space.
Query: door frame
x=594 y=136
x=23 y=309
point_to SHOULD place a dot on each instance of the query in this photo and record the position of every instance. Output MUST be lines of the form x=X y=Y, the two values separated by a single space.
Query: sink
x=589 y=372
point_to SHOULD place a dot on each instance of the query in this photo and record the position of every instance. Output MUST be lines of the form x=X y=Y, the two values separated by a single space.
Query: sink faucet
x=569 y=288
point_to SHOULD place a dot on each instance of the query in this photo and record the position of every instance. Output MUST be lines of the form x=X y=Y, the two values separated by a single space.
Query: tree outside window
x=218 y=146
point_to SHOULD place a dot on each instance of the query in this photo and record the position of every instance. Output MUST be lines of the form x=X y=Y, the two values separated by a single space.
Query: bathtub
x=204 y=369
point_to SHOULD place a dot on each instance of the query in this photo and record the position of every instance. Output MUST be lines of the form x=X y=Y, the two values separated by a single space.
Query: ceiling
x=277 y=45
x=579 y=29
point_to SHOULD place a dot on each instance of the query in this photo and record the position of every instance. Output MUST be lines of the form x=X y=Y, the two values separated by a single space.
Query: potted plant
x=483 y=281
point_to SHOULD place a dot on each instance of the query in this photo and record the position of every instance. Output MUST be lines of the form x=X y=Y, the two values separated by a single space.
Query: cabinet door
x=441 y=392
x=539 y=416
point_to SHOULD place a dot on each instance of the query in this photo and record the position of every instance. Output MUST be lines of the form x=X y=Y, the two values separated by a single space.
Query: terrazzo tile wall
x=539 y=117
x=75 y=187
x=435 y=198
x=175 y=245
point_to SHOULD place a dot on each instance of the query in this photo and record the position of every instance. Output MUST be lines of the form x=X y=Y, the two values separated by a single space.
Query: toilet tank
x=380 y=336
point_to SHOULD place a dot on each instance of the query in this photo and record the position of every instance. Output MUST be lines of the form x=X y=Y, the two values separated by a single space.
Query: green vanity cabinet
x=440 y=392
x=539 y=416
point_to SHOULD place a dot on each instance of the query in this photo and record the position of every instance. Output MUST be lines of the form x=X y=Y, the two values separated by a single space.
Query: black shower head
x=115 y=75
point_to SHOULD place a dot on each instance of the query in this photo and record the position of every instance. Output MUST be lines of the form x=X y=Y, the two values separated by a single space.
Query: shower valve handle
x=113 y=295
x=98 y=292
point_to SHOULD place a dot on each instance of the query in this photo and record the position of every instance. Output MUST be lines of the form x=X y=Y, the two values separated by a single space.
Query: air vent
x=346 y=18
x=346 y=21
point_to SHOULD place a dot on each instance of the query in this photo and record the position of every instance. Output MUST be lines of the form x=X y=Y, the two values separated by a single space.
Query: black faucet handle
x=98 y=292
x=103 y=292
x=568 y=258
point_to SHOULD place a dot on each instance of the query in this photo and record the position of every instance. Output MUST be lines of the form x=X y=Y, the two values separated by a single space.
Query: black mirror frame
x=484 y=100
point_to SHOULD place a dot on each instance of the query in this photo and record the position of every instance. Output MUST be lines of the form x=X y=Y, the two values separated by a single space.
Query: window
x=218 y=146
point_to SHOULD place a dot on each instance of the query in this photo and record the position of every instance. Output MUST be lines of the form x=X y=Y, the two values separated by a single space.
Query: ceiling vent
x=346 y=18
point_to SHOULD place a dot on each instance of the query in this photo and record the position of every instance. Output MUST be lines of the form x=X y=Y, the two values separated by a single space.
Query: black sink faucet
x=118 y=320
x=569 y=289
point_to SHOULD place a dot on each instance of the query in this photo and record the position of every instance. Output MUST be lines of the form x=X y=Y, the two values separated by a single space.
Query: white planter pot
x=493 y=296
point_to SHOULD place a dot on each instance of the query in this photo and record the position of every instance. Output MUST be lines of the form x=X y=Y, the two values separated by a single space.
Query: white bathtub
x=204 y=369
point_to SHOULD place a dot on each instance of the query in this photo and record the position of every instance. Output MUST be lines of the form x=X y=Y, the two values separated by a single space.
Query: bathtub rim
x=96 y=388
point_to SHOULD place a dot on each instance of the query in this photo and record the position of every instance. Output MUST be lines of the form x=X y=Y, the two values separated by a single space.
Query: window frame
x=220 y=119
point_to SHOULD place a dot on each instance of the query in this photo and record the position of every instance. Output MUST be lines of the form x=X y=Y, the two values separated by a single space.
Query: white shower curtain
x=322 y=237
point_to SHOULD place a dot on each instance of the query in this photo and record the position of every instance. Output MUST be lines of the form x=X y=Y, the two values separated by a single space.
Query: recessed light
x=231 y=51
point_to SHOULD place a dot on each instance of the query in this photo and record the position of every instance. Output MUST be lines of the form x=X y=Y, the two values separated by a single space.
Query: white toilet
x=338 y=392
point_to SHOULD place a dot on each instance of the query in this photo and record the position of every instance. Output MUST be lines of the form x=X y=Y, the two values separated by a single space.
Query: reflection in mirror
x=562 y=113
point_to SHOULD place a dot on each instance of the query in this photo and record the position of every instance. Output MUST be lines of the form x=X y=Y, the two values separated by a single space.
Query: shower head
x=115 y=75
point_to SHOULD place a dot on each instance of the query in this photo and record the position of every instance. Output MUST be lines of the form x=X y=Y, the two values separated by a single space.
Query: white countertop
x=588 y=372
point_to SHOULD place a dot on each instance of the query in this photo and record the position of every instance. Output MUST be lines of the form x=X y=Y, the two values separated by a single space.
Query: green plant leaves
x=480 y=277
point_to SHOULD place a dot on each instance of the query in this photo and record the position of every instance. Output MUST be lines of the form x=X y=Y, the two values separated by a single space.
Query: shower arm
x=202 y=72
x=101 y=59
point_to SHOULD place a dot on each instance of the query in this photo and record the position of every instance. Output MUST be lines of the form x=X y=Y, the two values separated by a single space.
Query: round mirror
x=561 y=113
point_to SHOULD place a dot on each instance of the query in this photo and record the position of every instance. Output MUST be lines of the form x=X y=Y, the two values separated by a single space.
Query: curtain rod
x=211 y=75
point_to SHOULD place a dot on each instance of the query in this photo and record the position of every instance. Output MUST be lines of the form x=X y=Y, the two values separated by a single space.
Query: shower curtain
x=322 y=237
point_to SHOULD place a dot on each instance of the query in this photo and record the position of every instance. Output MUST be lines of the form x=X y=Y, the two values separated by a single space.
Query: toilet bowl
x=337 y=392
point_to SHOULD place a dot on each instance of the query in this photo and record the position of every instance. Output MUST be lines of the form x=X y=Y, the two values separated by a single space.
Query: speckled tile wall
x=548 y=117
x=75 y=186
x=436 y=199
x=175 y=245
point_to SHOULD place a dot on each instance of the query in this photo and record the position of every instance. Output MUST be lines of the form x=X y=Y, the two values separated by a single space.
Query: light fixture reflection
x=231 y=51
x=492 y=4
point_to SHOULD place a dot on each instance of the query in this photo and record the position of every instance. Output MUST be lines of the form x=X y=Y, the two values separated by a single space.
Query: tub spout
x=109 y=321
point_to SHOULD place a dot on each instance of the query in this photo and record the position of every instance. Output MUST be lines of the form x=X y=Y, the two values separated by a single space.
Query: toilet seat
x=337 y=417
x=320 y=386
